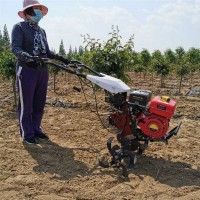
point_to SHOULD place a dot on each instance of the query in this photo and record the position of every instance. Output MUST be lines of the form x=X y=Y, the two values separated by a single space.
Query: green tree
x=80 y=53
x=163 y=70
x=1 y=36
x=75 y=51
x=62 y=51
x=139 y=69
x=170 y=59
x=70 y=53
x=134 y=58
x=53 y=70
x=110 y=57
x=145 y=60
x=7 y=69
x=181 y=68
x=157 y=57
x=181 y=71
x=192 y=57
x=56 y=70
x=160 y=66
x=6 y=37
x=1 y=42
x=180 y=52
x=7 y=60
x=80 y=50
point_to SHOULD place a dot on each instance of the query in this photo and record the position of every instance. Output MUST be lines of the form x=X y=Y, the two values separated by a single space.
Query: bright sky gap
x=156 y=24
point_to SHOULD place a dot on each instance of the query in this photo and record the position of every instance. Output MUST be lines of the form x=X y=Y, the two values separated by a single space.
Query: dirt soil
x=66 y=167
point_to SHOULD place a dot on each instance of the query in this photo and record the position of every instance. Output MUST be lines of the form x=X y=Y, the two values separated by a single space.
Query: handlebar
x=76 y=65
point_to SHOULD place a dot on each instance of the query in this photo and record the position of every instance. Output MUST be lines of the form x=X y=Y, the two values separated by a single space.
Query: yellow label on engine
x=153 y=127
x=165 y=99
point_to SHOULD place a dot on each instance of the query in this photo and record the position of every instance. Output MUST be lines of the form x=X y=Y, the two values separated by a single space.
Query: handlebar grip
x=35 y=58
x=39 y=59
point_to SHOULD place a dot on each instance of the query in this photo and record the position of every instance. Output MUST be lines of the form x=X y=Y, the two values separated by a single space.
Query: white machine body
x=109 y=83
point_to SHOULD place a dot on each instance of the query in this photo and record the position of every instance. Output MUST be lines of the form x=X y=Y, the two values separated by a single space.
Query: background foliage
x=114 y=58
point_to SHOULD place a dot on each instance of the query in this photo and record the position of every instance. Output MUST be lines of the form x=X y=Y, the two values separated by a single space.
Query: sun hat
x=31 y=3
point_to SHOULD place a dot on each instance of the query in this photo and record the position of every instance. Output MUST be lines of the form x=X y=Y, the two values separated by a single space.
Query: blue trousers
x=32 y=89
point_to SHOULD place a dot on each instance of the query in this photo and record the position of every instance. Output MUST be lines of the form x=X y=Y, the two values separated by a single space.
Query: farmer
x=29 y=39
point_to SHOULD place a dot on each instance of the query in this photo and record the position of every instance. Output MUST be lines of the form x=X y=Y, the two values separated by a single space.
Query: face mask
x=38 y=15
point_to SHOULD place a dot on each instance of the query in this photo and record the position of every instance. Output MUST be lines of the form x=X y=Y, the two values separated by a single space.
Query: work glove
x=64 y=60
x=26 y=57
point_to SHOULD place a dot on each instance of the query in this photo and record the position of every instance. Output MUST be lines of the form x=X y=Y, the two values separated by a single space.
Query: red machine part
x=153 y=125
x=122 y=122
x=163 y=106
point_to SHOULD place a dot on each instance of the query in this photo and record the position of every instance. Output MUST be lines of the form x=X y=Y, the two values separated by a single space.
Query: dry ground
x=66 y=167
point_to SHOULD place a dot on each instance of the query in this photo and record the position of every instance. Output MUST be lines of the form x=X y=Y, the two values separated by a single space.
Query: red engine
x=152 y=125
x=139 y=120
x=155 y=123
x=152 y=119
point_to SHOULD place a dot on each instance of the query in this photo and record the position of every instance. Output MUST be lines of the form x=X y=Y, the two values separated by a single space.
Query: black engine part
x=117 y=100
x=140 y=97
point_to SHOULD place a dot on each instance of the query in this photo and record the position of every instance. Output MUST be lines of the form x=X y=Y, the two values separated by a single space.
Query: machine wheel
x=142 y=147
x=129 y=160
x=104 y=162
x=124 y=169
x=115 y=148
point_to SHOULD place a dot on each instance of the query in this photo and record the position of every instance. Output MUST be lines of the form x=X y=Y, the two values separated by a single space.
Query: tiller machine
x=138 y=117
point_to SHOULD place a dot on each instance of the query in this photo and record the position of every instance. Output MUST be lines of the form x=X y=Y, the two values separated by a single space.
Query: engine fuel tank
x=163 y=106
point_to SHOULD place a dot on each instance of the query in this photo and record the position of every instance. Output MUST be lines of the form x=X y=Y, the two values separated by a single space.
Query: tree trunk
x=180 y=84
x=161 y=81
x=191 y=79
x=54 y=82
x=152 y=77
x=144 y=75
x=65 y=76
x=14 y=90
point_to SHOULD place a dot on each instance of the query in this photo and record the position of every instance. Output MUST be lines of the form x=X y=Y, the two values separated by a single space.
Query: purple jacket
x=22 y=40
